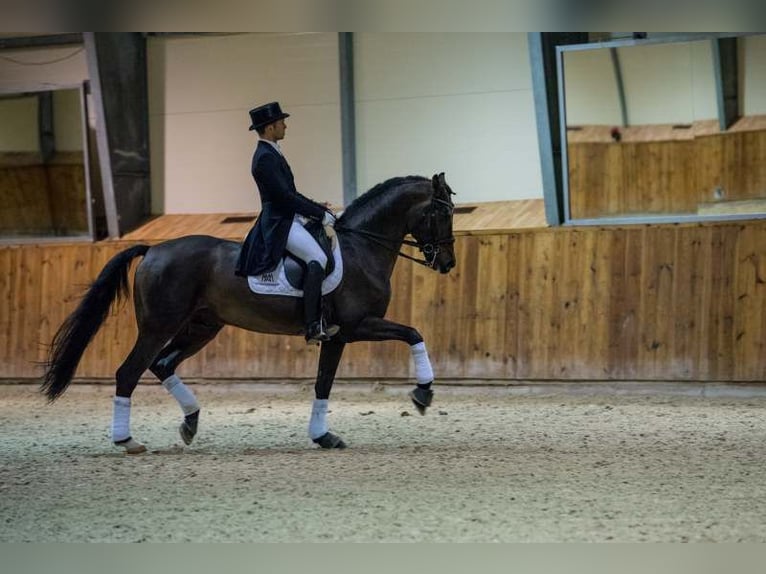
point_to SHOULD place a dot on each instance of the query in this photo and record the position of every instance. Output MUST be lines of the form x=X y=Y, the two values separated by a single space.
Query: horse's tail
x=76 y=332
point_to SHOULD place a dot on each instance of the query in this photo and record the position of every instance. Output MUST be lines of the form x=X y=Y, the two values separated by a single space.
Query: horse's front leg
x=319 y=432
x=379 y=329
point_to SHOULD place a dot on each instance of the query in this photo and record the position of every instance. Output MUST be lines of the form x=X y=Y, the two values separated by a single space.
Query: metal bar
x=620 y=86
x=102 y=140
x=347 y=115
x=692 y=37
x=658 y=219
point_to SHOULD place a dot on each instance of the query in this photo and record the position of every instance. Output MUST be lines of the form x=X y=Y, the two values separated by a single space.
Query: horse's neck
x=392 y=221
x=391 y=224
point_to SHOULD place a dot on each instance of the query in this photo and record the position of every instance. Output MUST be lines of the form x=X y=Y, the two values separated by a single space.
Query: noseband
x=429 y=246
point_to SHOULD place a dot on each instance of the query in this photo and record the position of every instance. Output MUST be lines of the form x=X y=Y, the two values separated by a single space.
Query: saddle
x=287 y=279
x=295 y=269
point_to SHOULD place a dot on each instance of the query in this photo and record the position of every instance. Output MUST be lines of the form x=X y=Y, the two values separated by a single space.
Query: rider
x=278 y=227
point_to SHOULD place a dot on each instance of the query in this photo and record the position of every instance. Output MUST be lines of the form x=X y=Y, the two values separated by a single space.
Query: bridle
x=429 y=246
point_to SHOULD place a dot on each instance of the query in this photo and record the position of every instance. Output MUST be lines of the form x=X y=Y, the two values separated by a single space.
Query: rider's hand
x=328 y=219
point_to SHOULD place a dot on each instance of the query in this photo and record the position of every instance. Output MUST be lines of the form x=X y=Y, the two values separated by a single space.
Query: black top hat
x=266 y=114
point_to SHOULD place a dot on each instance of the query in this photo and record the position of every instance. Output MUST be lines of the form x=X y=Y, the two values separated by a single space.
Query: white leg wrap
x=423 y=371
x=181 y=393
x=121 y=419
x=318 y=423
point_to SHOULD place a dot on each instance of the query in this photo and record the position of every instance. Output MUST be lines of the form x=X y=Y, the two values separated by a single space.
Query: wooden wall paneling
x=750 y=316
x=67 y=198
x=540 y=262
x=658 y=303
x=28 y=345
x=462 y=296
x=709 y=167
x=747 y=164
x=623 y=301
x=528 y=302
x=511 y=310
x=690 y=295
x=722 y=302
x=683 y=302
x=558 y=322
x=489 y=355
x=567 y=306
x=595 y=330
x=8 y=266
x=26 y=210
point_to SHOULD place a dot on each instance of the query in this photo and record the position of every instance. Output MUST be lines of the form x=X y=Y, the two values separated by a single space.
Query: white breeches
x=303 y=246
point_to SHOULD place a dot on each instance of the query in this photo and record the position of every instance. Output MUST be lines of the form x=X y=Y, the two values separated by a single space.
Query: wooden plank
x=750 y=315
x=512 y=310
x=723 y=303
x=8 y=266
x=624 y=300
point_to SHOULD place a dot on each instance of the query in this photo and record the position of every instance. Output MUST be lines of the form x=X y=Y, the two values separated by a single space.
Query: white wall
x=200 y=91
x=18 y=125
x=754 y=79
x=37 y=70
x=664 y=83
x=67 y=120
x=461 y=103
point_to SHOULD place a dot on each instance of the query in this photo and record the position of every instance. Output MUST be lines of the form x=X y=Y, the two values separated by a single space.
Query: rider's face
x=279 y=129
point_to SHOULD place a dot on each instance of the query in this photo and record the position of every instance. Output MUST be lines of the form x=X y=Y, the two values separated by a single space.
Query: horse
x=185 y=290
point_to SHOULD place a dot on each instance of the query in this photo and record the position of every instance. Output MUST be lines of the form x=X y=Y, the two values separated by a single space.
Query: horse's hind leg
x=198 y=332
x=141 y=356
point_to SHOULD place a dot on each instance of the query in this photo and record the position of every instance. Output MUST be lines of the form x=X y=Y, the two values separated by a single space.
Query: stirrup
x=319 y=331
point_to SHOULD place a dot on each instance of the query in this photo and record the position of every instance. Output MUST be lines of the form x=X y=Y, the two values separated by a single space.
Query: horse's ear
x=438 y=181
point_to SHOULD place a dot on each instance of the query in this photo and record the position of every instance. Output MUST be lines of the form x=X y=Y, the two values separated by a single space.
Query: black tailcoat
x=265 y=244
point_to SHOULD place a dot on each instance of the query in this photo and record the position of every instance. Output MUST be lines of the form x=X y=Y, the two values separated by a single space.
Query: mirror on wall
x=643 y=131
x=44 y=176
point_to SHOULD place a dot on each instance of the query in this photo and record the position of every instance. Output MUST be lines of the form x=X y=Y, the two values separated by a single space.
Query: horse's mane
x=377 y=194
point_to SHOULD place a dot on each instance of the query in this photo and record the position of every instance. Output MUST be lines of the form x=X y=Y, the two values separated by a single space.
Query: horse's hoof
x=329 y=440
x=131 y=446
x=421 y=398
x=188 y=428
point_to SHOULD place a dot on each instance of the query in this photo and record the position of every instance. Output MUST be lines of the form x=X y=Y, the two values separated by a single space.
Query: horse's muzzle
x=445 y=268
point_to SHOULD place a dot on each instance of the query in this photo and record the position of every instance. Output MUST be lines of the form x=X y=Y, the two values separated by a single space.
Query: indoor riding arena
x=598 y=349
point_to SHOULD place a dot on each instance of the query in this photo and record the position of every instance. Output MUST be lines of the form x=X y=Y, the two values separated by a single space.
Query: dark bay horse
x=185 y=291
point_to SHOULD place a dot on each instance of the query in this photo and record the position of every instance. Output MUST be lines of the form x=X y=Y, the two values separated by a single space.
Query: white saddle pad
x=275 y=282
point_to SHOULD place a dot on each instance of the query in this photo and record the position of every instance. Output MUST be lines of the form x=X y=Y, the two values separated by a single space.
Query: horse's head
x=433 y=228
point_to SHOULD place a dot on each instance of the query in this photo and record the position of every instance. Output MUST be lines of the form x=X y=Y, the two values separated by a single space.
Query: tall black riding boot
x=316 y=330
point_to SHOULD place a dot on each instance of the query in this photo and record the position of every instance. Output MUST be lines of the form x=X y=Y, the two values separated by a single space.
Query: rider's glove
x=328 y=219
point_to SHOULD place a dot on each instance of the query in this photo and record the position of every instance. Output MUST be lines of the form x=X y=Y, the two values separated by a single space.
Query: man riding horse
x=279 y=227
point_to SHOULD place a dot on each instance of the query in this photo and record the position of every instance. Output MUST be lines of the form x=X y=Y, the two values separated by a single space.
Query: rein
x=429 y=249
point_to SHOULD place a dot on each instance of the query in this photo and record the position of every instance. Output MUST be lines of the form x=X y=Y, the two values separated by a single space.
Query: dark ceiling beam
x=726 y=70
x=117 y=70
x=347 y=115
x=545 y=87
x=21 y=42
